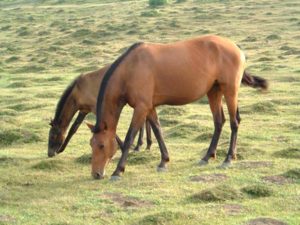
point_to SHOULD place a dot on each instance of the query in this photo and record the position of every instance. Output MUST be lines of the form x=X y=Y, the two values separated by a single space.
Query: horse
x=80 y=95
x=148 y=75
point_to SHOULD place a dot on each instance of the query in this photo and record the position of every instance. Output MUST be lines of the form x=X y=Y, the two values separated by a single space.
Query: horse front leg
x=137 y=121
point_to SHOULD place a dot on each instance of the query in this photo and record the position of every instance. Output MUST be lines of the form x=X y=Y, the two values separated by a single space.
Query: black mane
x=104 y=83
x=62 y=101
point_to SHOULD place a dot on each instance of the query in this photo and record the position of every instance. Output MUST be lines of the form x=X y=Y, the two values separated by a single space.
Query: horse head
x=56 y=138
x=104 y=147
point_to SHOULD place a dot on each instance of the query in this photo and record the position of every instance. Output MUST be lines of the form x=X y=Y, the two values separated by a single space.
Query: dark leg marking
x=140 y=139
x=154 y=122
x=148 y=133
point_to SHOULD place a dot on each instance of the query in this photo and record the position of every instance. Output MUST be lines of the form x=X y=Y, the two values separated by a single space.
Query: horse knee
x=219 y=124
x=234 y=125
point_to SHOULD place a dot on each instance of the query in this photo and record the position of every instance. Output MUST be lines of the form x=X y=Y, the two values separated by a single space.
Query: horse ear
x=51 y=122
x=90 y=126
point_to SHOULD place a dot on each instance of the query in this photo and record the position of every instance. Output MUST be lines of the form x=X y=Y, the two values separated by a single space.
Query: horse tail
x=104 y=84
x=254 y=81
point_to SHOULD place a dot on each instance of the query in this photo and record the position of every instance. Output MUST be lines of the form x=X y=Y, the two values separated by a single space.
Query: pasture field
x=44 y=44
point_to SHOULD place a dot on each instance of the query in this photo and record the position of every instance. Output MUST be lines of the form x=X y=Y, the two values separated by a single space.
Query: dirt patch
x=265 y=221
x=126 y=201
x=277 y=179
x=209 y=177
x=232 y=209
x=254 y=164
x=6 y=219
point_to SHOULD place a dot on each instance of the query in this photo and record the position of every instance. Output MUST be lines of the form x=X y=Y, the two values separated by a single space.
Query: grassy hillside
x=44 y=44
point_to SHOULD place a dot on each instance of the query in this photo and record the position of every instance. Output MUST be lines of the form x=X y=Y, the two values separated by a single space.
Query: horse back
x=183 y=72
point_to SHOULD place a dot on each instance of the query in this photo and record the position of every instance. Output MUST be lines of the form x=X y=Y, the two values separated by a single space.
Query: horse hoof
x=225 y=165
x=161 y=169
x=115 y=178
x=203 y=162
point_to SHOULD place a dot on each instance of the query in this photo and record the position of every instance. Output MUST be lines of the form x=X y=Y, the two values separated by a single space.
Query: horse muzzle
x=98 y=175
x=53 y=149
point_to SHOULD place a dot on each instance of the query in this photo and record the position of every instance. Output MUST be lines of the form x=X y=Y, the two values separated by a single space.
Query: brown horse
x=149 y=75
x=80 y=95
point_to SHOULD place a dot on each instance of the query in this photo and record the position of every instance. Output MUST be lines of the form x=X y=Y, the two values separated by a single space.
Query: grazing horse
x=148 y=75
x=80 y=95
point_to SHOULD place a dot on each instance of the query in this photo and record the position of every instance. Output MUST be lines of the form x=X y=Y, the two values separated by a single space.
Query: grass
x=293 y=173
x=258 y=191
x=215 y=194
x=46 y=44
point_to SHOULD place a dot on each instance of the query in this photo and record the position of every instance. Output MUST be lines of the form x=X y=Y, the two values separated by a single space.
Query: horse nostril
x=97 y=176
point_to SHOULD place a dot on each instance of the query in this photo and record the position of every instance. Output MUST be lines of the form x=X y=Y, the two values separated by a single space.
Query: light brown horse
x=149 y=75
x=80 y=95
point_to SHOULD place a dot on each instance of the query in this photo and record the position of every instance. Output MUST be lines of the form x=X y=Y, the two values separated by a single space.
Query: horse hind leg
x=141 y=135
x=140 y=139
x=232 y=104
x=215 y=103
x=154 y=122
x=148 y=135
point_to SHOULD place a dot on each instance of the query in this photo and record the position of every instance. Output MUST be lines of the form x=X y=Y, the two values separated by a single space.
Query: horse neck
x=113 y=107
x=69 y=110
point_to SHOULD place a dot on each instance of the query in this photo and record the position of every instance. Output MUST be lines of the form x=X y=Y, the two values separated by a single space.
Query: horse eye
x=101 y=146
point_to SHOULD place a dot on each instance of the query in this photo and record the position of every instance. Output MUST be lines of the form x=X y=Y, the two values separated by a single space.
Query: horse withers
x=148 y=75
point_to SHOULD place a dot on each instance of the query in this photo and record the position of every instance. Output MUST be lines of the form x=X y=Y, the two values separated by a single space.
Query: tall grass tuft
x=154 y=3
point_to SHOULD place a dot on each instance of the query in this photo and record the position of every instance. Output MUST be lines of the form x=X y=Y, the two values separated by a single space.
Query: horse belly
x=181 y=91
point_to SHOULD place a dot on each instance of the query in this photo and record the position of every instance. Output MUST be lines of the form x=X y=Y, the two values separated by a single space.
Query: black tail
x=254 y=81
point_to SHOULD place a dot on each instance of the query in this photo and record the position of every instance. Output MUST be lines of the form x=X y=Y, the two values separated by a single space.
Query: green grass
x=45 y=44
